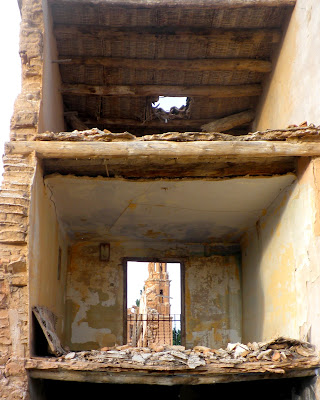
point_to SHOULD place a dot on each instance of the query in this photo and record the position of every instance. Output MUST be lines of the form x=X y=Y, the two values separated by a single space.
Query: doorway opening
x=154 y=304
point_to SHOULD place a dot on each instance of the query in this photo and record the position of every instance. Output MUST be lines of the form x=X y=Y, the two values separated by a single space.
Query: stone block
x=14 y=209
x=23 y=119
x=15 y=367
x=3 y=301
x=19 y=280
x=14 y=200
x=16 y=267
x=12 y=237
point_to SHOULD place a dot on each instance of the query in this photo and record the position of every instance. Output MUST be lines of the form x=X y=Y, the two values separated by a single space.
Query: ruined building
x=151 y=322
x=96 y=176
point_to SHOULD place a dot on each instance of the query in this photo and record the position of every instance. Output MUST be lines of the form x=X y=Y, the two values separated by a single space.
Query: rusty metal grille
x=144 y=330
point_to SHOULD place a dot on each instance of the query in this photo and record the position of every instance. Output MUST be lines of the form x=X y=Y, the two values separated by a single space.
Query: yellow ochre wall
x=213 y=301
x=280 y=265
x=291 y=93
x=46 y=235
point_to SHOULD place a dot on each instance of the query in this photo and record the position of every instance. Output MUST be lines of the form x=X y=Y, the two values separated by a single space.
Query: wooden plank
x=236 y=64
x=186 y=3
x=162 y=149
x=212 y=91
x=164 y=380
x=46 y=320
x=196 y=35
x=227 y=123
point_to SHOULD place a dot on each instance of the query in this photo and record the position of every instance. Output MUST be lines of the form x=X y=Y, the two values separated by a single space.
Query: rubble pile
x=276 y=351
x=293 y=133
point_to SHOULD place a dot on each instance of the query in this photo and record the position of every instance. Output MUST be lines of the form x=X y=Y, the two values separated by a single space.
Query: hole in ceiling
x=168 y=104
x=168 y=108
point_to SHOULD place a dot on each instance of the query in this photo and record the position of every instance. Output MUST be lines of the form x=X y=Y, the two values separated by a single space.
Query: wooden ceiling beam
x=229 y=122
x=184 y=3
x=235 y=64
x=211 y=91
x=236 y=36
x=157 y=150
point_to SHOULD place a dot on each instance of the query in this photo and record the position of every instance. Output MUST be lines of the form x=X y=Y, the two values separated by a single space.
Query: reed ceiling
x=117 y=57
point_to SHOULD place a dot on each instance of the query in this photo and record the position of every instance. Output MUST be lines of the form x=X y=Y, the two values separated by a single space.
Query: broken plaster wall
x=281 y=272
x=213 y=301
x=290 y=94
x=47 y=276
x=95 y=293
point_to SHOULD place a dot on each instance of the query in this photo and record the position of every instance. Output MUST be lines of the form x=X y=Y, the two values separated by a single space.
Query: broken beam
x=218 y=36
x=189 y=3
x=236 y=64
x=212 y=91
x=149 y=150
x=227 y=123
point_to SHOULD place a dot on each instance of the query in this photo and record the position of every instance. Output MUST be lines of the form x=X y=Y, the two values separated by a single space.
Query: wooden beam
x=236 y=64
x=149 y=150
x=154 y=123
x=227 y=123
x=164 y=379
x=186 y=3
x=212 y=91
x=75 y=122
x=218 y=36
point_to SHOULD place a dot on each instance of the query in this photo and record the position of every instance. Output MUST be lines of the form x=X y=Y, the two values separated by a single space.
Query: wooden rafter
x=227 y=123
x=217 y=36
x=236 y=64
x=159 y=150
x=211 y=91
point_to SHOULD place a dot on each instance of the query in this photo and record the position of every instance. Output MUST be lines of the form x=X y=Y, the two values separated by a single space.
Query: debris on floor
x=273 y=356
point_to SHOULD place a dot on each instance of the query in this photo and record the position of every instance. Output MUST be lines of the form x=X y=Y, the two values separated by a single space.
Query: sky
x=10 y=67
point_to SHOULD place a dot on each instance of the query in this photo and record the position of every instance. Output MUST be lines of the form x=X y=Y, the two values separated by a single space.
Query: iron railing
x=146 y=329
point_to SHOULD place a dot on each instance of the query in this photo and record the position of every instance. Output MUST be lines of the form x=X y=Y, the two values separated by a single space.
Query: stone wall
x=14 y=299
